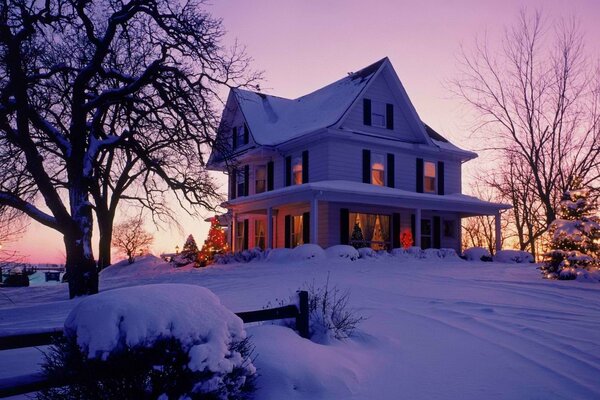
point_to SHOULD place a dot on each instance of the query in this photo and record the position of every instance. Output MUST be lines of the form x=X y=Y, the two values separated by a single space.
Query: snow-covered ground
x=435 y=329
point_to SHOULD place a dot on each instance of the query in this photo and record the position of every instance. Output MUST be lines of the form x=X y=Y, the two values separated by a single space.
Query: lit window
x=260 y=179
x=378 y=169
x=429 y=177
x=259 y=233
x=297 y=231
x=378 y=114
x=297 y=171
x=239 y=235
x=369 y=230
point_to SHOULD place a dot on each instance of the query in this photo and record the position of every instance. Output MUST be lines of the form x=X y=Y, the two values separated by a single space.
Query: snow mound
x=138 y=316
x=143 y=266
x=476 y=254
x=342 y=251
x=307 y=252
x=414 y=252
x=279 y=255
x=592 y=275
x=513 y=257
x=367 y=252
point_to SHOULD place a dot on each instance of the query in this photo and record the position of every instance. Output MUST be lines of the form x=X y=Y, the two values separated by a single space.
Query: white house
x=351 y=159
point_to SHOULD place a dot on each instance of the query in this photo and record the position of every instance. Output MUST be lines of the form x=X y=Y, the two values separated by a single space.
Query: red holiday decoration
x=215 y=243
x=406 y=238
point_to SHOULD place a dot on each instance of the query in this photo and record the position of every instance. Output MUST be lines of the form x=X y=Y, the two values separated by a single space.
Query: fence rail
x=37 y=381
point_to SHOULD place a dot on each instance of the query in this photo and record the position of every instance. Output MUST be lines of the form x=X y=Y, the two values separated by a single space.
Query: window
x=378 y=169
x=239 y=235
x=260 y=176
x=429 y=177
x=426 y=233
x=297 y=230
x=378 y=116
x=297 y=171
x=369 y=230
x=239 y=136
x=259 y=233
x=241 y=183
x=449 y=229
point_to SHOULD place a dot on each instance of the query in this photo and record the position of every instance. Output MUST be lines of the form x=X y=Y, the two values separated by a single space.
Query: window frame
x=446 y=222
x=376 y=245
x=296 y=169
x=375 y=155
x=376 y=107
x=256 y=180
x=429 y=236
x=257 y=237
x=240 y=183
x=426 y=177
x=239 y=235
x=296 y=238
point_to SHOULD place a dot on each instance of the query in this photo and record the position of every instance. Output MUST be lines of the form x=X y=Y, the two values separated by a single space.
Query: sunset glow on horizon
x=302 y=46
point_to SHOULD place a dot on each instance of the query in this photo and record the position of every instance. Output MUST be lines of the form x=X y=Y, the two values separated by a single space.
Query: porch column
x=418 y=227
x=270 y=228
x=498 y=222
x=233 y=227
x=314 y=221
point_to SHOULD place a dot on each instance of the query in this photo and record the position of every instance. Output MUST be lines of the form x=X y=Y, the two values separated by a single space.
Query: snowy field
x=435 y=329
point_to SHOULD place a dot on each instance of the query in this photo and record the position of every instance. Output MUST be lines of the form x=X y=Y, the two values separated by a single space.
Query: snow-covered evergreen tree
x=189 y=253
x=575 y=241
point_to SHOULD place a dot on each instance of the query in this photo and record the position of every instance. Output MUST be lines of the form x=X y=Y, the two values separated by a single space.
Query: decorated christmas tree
x=215 y=243
x=575 y=240
x=357 y=239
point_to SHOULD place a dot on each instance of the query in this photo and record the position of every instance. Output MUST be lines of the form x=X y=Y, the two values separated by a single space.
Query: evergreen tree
x=575 y=235
x=357 y=239
x=215 y=243
x=189 y=254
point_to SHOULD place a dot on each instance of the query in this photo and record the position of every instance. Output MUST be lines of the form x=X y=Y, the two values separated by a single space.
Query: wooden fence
x=38 y=381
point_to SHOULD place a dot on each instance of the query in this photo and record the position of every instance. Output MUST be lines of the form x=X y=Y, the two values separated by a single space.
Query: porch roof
x=367 y=194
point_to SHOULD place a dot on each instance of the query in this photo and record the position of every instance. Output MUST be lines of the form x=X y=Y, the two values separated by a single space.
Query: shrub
x=343 y=251
x=143 y=373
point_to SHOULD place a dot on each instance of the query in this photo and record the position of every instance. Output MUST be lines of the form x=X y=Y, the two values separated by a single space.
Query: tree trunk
x=81 y=268
x=105 y=228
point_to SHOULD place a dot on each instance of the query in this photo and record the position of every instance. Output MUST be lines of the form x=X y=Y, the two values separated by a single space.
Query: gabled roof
x=273 y=120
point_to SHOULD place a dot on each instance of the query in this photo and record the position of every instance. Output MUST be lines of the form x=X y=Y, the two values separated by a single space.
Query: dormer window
x=378 y=169
x=429 y=177
x=378 y=114
x=240 y=136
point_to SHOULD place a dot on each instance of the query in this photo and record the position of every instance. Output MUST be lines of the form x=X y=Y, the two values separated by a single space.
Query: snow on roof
x=350 y=188
x=273 y=120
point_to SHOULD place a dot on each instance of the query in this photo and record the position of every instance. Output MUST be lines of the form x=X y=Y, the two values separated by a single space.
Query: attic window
x=378 y=114
x=240 y=136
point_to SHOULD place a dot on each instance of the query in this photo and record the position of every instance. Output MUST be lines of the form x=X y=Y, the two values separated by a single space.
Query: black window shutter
x=367 y=111
x=246 y=179
x=288 y=231
x=440 y=177
x=389 y=116
x=437 y=232
x=419 y=175
x=233 y=183
x=234 y=138
x=396 y=230
x=366 y=166
x=288 y=171
x=413 y=228
x=246 y=134
x=305 y=166
x=245 y=234
x=391 y=169
x=344 y=226
x=270 y=176
x=306 y=227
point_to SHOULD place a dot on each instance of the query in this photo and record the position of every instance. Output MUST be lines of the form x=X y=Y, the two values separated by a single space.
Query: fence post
x=302 y=318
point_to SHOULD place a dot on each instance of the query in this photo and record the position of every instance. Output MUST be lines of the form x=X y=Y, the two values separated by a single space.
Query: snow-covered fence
x=38 y=381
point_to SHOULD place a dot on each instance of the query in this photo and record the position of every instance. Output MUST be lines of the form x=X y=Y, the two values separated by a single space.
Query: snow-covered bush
x=513 y=257
x=243 y=256
x=366 y=252
x=279 y=255
x=155 y=341
x=343 y=251
x=307 y=252
x=477 y=254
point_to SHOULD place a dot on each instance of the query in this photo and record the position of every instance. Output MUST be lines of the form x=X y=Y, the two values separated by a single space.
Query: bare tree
x=107 y=100
x=12 y=227
x=538 y=99
x=131 y=239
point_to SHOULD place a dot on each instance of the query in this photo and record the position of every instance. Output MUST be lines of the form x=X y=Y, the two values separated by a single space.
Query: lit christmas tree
x=406 y=239
x=357 y=239
x=575 y=235
x=215 y=243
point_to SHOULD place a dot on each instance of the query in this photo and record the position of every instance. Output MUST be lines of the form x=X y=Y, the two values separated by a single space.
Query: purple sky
x=304 y=45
